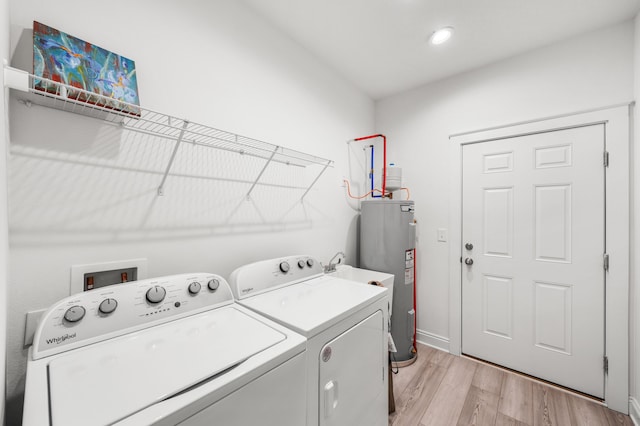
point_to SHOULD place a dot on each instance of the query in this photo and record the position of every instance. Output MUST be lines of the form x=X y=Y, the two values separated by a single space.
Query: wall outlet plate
x=78 y=271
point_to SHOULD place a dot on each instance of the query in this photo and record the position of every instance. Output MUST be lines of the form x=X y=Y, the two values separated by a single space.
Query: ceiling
x=382 y=47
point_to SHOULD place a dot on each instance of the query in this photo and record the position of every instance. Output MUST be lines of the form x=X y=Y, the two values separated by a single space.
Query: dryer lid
x=312 y=306
x=108 y=381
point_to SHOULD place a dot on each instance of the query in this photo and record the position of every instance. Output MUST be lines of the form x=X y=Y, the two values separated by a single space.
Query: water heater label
x=407 y=208
x=408 y=265
x=408 y=276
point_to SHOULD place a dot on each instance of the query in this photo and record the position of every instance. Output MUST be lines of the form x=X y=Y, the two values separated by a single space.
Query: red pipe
x=415 y=308
x=384 y=157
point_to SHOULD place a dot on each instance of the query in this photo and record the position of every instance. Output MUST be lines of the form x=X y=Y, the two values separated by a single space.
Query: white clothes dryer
x=346 y=324
x=165 y=351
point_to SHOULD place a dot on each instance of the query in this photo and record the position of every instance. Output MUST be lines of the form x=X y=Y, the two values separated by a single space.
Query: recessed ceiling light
x=442 y=35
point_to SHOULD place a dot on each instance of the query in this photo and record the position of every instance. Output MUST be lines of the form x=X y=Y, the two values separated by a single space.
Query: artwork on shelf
x=65 y=59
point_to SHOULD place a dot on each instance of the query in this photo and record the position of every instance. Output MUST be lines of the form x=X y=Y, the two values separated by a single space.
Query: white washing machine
x=346 y=325
x=165 y=351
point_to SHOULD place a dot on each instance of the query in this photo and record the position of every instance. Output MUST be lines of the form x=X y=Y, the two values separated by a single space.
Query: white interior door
x=533 y=298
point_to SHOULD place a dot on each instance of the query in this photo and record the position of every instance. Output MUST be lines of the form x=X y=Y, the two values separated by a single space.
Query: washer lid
x=108 y=381
x=315 y=305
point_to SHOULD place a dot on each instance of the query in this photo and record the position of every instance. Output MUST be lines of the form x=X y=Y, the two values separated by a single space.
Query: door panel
x=498 y=221
x=533 y=297
x=497 y=306
x=353 y=388
x=553 y=317
x=553 y=223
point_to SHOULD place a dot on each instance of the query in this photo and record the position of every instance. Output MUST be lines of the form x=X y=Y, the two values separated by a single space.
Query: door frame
x=617 y=187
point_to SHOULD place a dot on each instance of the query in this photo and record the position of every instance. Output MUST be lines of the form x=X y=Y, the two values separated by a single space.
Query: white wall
x=590 y=71
x=71 y=201
x=634 y=300
x=4 y=244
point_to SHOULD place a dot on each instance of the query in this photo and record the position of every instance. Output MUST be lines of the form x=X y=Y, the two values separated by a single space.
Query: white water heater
x=387 y=244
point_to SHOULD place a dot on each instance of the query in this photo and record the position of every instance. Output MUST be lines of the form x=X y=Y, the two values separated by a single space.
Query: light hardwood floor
x=441 y=389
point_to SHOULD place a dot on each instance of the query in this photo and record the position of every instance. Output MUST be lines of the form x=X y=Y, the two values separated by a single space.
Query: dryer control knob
x=213 y=284
x=194 y=288
x=74 y=313
x=301 y=264
x=284 y=267
x=156 y=294
x=108 y=305
x=310 y=263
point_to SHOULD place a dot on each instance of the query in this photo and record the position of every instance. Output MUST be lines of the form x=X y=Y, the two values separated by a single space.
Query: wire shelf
x=40 y=91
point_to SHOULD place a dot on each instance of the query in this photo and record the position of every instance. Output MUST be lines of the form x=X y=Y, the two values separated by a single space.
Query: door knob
x=468 y=261
x=468 y=246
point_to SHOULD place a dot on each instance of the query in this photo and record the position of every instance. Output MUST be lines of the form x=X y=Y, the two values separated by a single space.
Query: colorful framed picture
x=65 y=59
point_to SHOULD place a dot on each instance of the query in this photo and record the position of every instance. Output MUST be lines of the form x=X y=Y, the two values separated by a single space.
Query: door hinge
x=605 y=363
x=605 y=158
x=605 y=261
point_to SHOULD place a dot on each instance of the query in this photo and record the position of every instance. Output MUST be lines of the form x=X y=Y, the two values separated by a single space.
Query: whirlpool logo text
x=61 y=339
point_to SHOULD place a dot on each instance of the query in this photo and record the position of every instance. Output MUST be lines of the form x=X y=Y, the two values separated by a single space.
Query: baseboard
x=634 y=411
x=433 y=340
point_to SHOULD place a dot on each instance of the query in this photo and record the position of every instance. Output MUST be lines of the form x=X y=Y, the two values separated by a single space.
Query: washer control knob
x=194 y=288
x=156 y=294
x=108 y=305
x=284 y=267
x=310 y=263
x=301 y=264
x=213 y=284
x=75 y=313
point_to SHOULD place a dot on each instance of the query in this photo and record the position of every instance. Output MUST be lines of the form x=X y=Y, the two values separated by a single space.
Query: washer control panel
x=258 y=277
x=107 y=312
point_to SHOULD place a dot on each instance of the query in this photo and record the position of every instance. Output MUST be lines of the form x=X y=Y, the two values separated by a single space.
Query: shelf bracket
x=255 y=182
x=315 y=180
x=16 y=79
x=173 y=157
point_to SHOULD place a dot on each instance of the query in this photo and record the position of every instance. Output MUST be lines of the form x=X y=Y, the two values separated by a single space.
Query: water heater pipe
x=371 y=173
x=384 y=157
x=415 y=296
